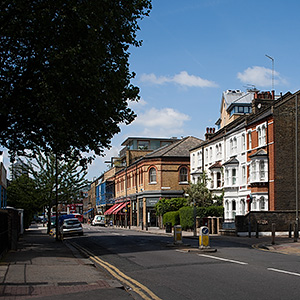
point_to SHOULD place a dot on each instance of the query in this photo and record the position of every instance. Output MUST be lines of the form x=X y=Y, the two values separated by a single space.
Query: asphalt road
x=235 y=271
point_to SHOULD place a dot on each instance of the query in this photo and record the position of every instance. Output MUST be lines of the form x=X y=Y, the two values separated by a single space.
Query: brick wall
x=281 y=219
x=284 y=132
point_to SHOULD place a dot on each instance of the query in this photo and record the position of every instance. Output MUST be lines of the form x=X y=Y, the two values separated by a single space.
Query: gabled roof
x=216 y=165
x=260 y=152
x=231 y=161
x=177 y=149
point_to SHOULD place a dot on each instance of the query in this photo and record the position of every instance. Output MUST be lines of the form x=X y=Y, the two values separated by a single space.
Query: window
x=199 y=159
x=240 y=109
x=152 y=175
x=234 y=144
x=143 y=145
x=210 y=153
x=244 y=174
x=250 y=140
x=262 y=170
x=231 y=146
x=262 y=203
x=227 y=177
x=206 y=154
x=253 y=169
x=233 y=209
x=233 y=176
x=219 y=179
x=183 y=174
x=259 y=136
x=263 y=135
x=243 y=142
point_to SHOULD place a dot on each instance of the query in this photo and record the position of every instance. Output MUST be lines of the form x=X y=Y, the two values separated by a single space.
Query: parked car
x=99 y=220
x=71 y=226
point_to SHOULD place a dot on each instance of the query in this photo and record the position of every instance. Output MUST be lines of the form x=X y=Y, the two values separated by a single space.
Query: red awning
x=120 y=207
x=110 y=210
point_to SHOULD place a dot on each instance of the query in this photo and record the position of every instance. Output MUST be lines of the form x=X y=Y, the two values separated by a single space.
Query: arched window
x=183 y=174
x=259 y=136
x=152 y=175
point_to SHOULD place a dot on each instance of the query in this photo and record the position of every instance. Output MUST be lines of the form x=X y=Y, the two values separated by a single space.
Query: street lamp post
x=272 y=59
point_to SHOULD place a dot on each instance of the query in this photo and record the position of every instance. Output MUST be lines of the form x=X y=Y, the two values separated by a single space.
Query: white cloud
x=260 y=76
x=183 y=78
x=161 y=122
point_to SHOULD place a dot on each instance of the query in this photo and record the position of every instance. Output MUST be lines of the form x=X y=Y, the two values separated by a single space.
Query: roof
x=231 y=161
x=245 y=98
x=216 y=165
x=180 y=148
x=260 y=152
x=129 y=139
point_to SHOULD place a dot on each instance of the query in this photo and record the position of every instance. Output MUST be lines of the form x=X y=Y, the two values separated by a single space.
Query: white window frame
x=152 y=176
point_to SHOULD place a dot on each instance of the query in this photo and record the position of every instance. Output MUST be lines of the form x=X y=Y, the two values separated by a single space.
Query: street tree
x=22 y=192
x=55 y=178
x=64 y=73
x=198 y=194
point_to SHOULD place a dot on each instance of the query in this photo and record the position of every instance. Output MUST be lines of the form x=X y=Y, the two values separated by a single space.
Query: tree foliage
x=70 y=177
x=64 y=73
x=198 y=193
x=42 y=171
x=23 y=193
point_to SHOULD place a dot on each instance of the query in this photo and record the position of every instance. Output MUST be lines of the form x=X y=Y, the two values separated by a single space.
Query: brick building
x=286 y=154
x=161 y=173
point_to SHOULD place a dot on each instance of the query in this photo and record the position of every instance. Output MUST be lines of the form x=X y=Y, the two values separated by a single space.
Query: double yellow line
x=136 y=286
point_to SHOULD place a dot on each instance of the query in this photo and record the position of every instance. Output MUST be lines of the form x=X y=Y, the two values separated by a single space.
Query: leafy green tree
x=64 y=73
x=23 y=193
x=43 y=170
x=198 y=193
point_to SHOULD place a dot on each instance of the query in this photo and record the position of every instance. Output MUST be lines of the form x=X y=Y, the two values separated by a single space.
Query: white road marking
x=285 y=272
x=224 y=259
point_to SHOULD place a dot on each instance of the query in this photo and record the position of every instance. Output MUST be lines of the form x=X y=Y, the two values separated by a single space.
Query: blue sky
x=193 y=50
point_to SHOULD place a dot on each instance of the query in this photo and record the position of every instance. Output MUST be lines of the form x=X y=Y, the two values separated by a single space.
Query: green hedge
x=172 y=217
x=214 y=211
x=186 y=214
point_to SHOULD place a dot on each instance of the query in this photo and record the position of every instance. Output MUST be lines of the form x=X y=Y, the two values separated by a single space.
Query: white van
x=99 y=220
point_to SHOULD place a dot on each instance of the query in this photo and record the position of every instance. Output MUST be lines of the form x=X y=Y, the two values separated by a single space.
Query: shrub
x=172 y=217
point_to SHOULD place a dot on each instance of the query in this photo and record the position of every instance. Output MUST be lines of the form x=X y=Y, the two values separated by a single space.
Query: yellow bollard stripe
x=132 y=283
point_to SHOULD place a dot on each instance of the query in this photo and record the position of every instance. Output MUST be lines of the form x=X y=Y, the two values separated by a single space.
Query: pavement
x=43 y=268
